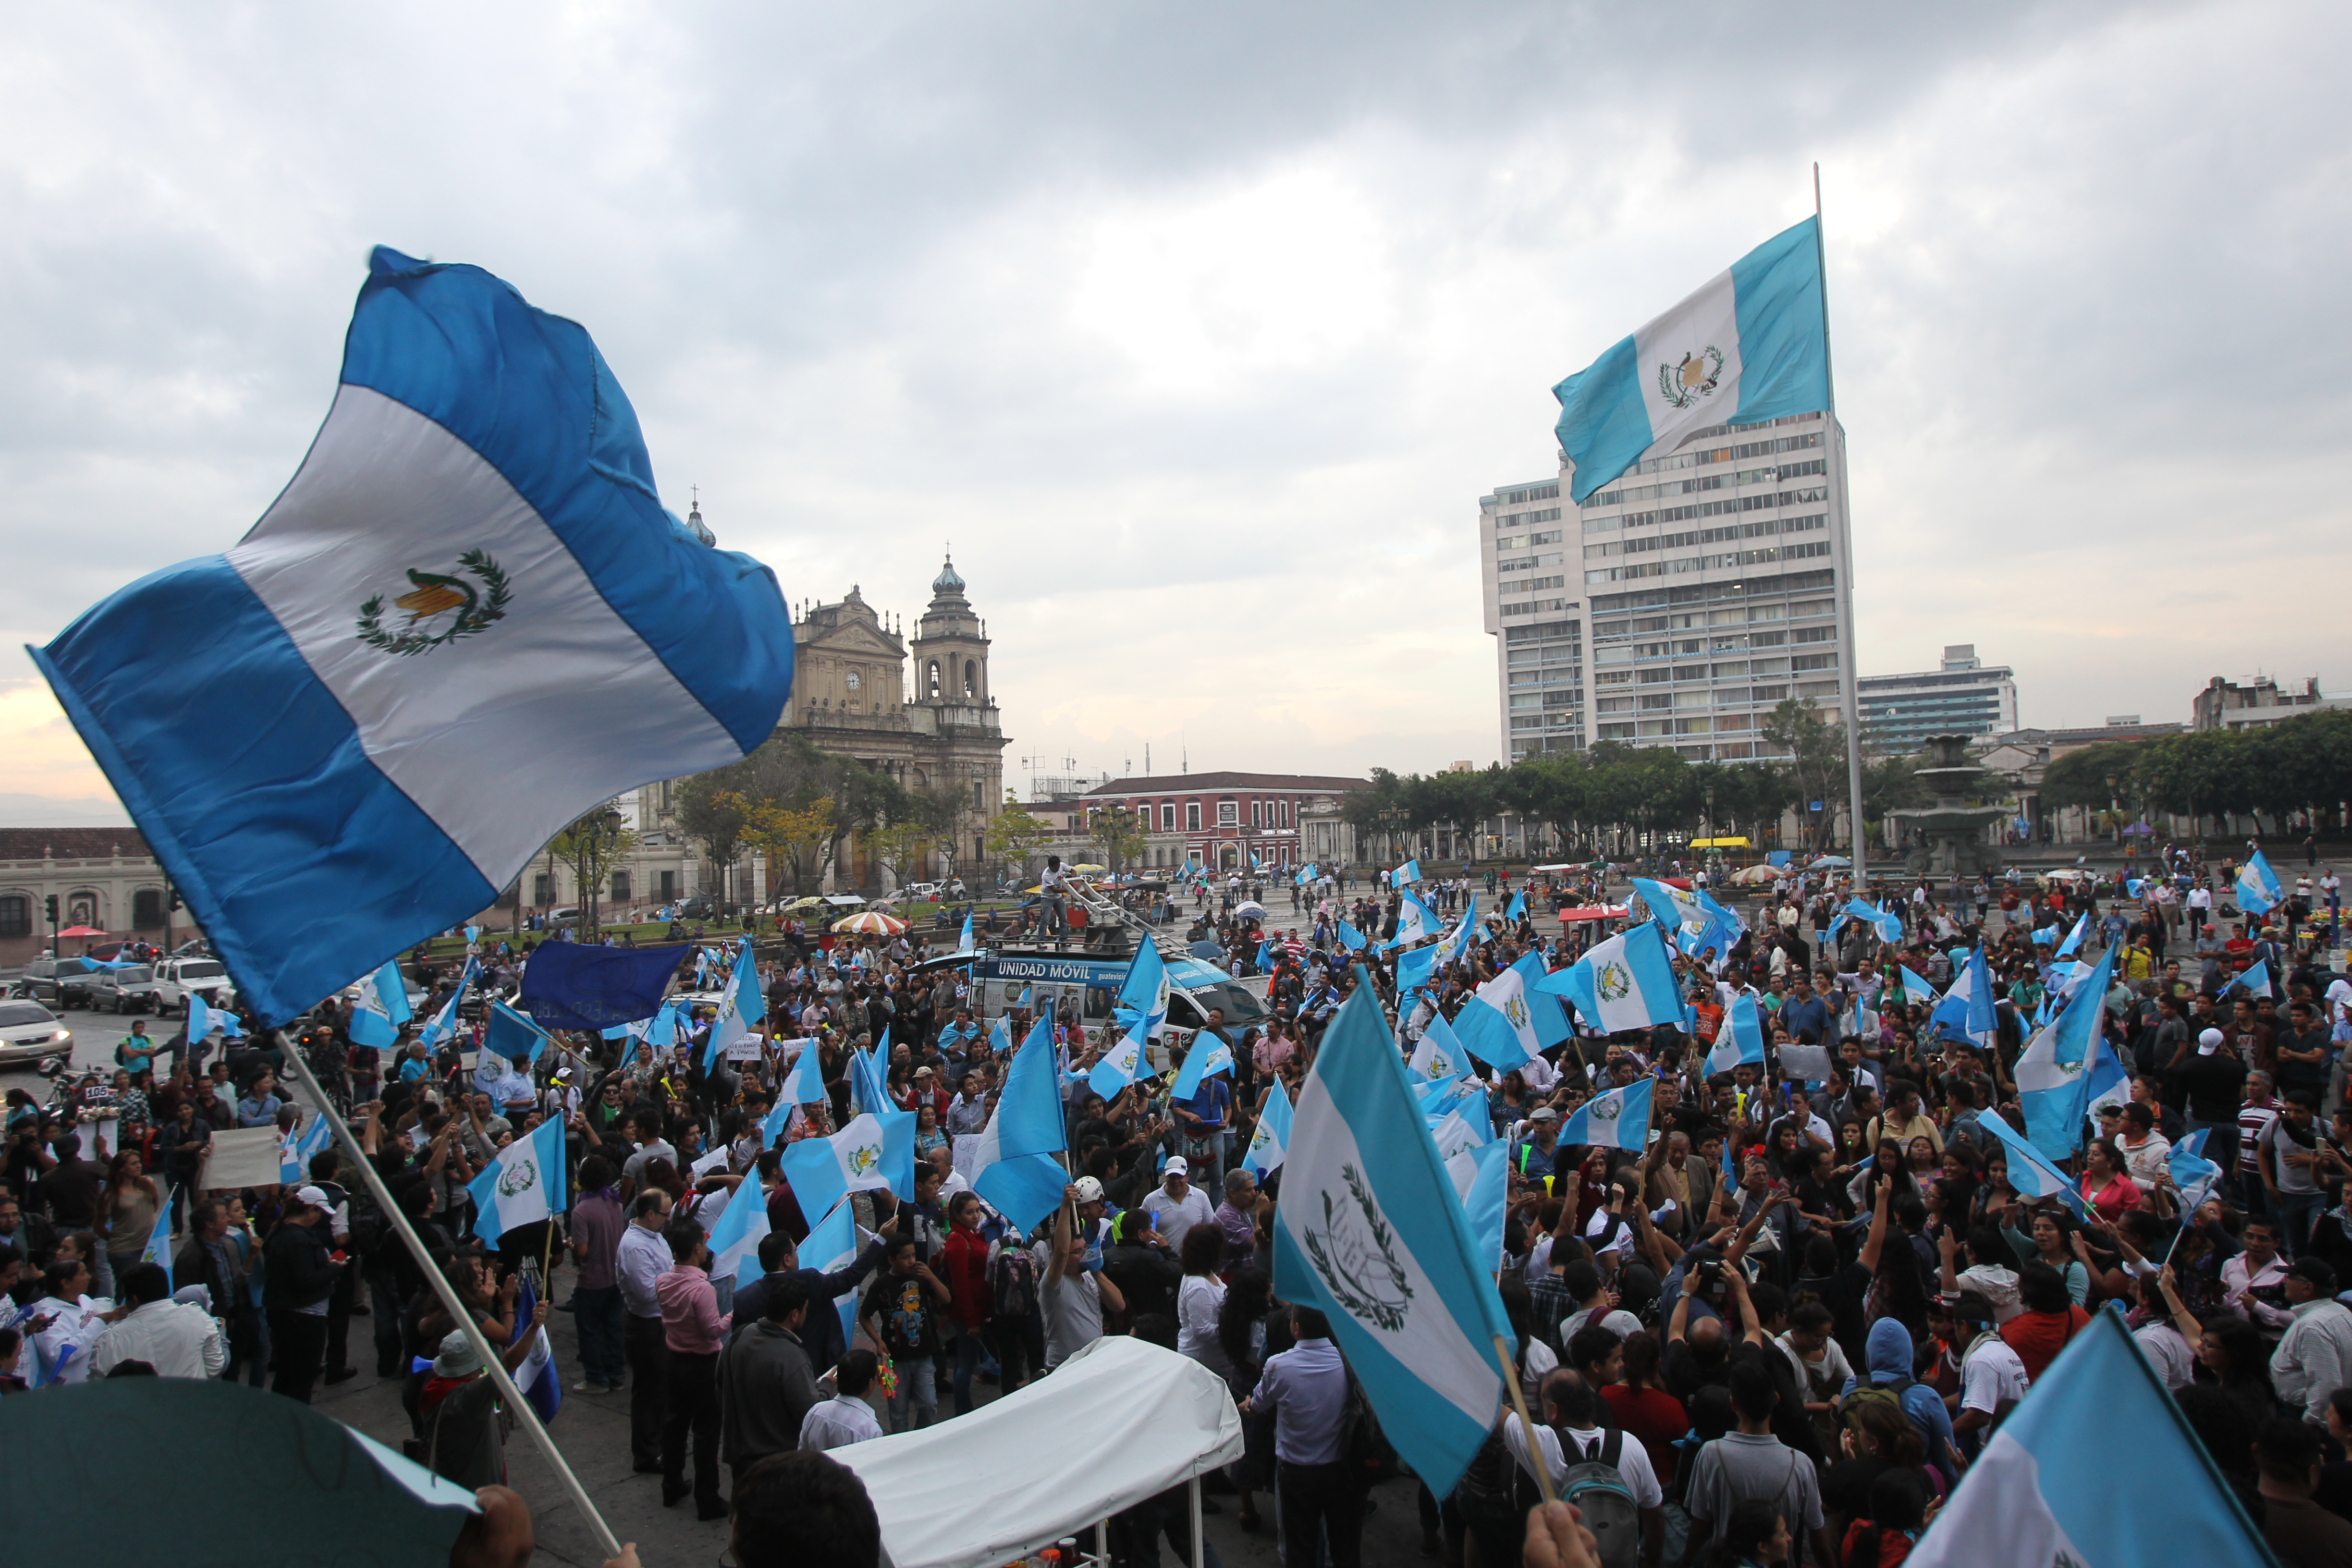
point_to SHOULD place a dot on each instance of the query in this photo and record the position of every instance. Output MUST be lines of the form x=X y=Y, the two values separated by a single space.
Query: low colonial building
x=1227 y=820
x=105 y=879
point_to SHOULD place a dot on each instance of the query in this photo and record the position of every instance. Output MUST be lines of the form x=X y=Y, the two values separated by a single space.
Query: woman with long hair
x=126 y=1207
x=2051 y=1240
x=1199 y=1295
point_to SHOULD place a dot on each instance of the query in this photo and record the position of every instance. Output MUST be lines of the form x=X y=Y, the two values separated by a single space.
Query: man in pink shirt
x=693 y=1332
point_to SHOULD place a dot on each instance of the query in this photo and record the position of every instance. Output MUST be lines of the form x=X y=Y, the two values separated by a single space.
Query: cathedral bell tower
x=950 y=653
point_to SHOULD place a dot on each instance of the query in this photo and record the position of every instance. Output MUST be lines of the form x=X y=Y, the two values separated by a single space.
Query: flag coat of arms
x=2258 y=885
x=471 y=577
x=1750 y=346
x=522 y=1187
x=1370 y=1229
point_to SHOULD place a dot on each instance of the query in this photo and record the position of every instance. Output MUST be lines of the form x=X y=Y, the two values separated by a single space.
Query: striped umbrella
x=869 y=922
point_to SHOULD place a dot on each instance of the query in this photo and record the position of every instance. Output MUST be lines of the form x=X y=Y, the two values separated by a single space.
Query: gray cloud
x=1199 y=330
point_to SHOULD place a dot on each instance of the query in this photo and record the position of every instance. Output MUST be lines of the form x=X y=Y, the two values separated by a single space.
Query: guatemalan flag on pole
x=1369 y=1230
x=381 y=1008
x=1750 y=346
x=466 y=621
x=522 y=1187
x=1625 y=983
x=2047 y=1490
x=1015 y=1170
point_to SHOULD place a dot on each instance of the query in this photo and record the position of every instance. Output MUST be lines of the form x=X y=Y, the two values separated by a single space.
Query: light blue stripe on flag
x=1370 y=1229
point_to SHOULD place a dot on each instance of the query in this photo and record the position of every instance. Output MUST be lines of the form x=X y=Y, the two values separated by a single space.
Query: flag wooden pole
x=493 y=1366
x=1849 y=681
x=1526 y=1427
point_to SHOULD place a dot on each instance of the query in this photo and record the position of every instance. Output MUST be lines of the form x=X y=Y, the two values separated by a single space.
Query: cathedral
x=919 y=708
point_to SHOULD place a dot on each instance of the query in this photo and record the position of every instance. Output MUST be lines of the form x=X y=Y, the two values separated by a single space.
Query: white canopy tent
x=1120 y=1421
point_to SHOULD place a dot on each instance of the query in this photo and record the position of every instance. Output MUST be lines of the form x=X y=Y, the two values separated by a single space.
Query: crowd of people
x=1782 y=1330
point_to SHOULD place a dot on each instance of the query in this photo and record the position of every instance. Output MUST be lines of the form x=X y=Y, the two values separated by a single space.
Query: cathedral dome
x=949 y=581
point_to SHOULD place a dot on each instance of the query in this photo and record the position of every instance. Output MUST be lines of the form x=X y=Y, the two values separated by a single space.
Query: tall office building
x=1708 y=582
x=1965 y=697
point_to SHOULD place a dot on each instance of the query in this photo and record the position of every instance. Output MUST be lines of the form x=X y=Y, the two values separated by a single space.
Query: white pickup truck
x=177 y=978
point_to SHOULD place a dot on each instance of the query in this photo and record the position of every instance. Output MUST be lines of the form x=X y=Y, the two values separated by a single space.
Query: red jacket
x=965 y=1257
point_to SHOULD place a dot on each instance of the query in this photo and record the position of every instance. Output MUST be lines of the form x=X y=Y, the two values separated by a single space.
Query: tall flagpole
x=1851 y=681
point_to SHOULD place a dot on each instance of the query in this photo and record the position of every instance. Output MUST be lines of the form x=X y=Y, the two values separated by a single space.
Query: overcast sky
x=1199 y=330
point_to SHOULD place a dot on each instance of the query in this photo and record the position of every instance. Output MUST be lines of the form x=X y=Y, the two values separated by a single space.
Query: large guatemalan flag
x=1752 y=345
x=1371 y=1231
x=466 y=621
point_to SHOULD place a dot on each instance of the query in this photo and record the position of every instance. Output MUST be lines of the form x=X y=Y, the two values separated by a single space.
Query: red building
x=1225 y=819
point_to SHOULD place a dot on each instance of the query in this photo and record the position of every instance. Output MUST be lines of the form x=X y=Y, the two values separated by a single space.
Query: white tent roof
x=1118 y=1422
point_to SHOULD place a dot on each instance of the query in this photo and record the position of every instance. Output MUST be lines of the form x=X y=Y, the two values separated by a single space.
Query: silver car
x=29 y=1032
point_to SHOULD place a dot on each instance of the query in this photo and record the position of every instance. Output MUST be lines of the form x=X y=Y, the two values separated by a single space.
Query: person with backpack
x=1014 y=1330
x=1748 y=1464
x=1602 y=1472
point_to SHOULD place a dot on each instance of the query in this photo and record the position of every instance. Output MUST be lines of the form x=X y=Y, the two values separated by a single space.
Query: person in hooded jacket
x=1887 y=1364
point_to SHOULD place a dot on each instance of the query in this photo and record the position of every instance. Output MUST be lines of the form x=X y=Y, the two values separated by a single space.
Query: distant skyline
x=1199 y=332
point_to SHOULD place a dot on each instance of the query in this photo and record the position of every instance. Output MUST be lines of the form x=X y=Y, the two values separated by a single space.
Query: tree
x=711 y=812
x=1120 y=832
x=1013 y=832
x=592 y=845
x=793 y=836
x=1816 y=749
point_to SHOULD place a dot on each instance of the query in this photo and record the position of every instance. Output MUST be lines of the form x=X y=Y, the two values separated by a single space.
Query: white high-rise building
x=1680 y=604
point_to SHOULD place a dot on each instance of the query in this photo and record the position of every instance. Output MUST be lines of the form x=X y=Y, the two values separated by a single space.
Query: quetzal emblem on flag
x=478 y=604
x=1355 y=1252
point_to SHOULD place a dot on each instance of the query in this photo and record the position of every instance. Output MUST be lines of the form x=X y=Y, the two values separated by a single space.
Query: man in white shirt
x=178 y=1338
x=845 y=1418
x=1992 y=1377
x=642 y=1258
x=1571 y=1408
x=1178 y=1205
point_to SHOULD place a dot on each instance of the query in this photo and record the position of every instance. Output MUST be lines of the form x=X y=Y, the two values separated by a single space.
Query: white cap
x=1177 y=1166
x=2208 y=1042
x=314 y=1196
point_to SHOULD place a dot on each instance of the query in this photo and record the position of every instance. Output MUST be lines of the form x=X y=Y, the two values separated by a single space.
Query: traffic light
x=175 y=898
x=53 y=908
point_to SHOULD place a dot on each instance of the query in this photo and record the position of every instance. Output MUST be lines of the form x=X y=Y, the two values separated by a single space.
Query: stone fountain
x=1953 y=829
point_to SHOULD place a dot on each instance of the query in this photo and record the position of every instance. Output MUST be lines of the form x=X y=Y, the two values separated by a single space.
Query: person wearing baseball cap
x=1178 y=1205
x=2213 y=1083
x=300 y=1276
x=2313 y=1358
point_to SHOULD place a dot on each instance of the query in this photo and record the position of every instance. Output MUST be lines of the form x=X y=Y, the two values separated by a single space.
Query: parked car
x=29 y=1032
x=176 y=979
x=60 y=982
x=700 y=907
x=920 y=893
x=567 y=913
x=130 y=989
